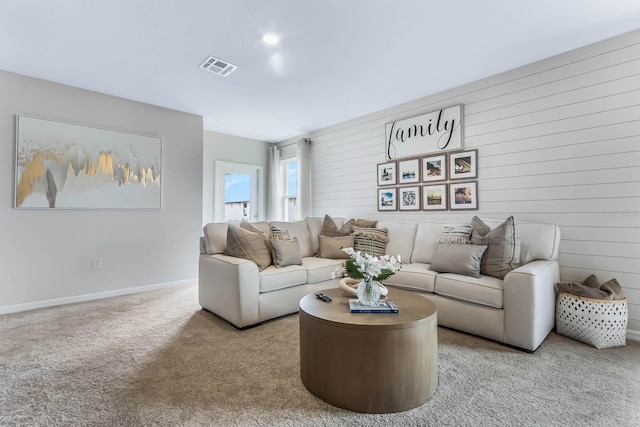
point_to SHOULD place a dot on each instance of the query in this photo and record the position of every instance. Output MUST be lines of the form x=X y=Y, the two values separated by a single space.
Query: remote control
x=323 y=297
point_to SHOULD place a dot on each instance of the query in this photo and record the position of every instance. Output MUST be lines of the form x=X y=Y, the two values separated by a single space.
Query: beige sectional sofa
x=517 y=310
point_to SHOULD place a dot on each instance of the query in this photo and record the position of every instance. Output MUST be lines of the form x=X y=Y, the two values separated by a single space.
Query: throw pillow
x=460 y=233
x=592 y=281
x=329 y=227
x=330 y=247
x=286 y=252
x=503 y=252
x=366 y=223
x=458 y=258
x=278 y=233
x=242 y=243
x=370 y=240
x=247 y=226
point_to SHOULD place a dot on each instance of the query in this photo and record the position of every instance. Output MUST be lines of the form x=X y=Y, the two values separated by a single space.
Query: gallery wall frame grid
x=443 y=182
x=62 y=165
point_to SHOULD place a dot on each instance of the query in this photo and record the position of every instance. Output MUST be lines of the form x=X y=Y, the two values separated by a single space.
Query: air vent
x=218 y=66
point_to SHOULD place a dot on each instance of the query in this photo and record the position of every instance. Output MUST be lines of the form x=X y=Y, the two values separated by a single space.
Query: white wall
x=557 y=141
x=46 y=255
x=228 y=148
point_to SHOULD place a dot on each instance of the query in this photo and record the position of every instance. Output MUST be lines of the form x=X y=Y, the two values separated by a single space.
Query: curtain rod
x=292 y=143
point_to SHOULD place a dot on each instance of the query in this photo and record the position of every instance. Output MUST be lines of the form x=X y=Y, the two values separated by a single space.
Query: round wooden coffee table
x=369 y=362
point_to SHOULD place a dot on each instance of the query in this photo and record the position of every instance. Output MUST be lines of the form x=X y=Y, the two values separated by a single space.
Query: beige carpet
x=155 y=358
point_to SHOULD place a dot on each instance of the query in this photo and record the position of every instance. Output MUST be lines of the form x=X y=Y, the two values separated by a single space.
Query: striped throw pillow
x=460 y=233
x=370 y=240
x=278 y=233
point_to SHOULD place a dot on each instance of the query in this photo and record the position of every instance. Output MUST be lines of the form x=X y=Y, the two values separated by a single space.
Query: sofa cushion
x=263 y=226
x=286 y=252
x=538 y=241
x=215 y=237
x=426 y=243
x=414 y=277
x=458 y=258
x=329 y=228
x=320 y=269
x=272 y=278
x=485 y=290
x=299 y=230
x=370 y=240
x=503 y=252
x=400 y=238
x=248 y=245
x=330 y=247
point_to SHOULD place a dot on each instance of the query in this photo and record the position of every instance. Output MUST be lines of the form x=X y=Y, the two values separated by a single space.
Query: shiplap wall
x=558 y=142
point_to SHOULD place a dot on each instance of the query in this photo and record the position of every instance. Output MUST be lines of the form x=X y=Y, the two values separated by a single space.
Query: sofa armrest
x=529 y=303
x=229 y=287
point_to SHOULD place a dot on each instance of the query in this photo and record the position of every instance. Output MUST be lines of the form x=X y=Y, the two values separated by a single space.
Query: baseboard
x=633 y=335
x=90 y=297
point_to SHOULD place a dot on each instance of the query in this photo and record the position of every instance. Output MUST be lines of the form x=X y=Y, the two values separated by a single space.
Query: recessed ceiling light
x=270 y=39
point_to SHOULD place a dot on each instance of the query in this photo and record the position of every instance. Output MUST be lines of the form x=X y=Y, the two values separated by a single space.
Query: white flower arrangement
x=369 y=268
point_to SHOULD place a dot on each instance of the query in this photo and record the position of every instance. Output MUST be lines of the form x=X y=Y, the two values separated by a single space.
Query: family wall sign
x=437 y=131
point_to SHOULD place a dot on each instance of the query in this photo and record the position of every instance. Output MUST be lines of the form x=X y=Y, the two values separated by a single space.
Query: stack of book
x=382 y=306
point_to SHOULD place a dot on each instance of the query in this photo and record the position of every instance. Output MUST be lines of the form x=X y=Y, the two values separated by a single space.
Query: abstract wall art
x=68 y=166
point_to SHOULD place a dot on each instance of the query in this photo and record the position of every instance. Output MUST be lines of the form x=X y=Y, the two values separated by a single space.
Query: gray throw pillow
x=286 y=252
x=503 y=252
x=330 y=247
x=458 y=258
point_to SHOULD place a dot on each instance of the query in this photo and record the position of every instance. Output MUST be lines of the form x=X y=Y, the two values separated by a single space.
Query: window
x=237 y=194
x=290 y=170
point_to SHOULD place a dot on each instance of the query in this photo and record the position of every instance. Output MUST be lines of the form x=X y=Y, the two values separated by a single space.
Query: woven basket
x=599 y=323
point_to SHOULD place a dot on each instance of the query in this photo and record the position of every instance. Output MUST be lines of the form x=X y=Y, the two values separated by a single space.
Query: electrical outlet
x=97 y=263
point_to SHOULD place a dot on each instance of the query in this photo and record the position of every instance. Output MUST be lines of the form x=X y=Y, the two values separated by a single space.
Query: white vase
x=368 y=292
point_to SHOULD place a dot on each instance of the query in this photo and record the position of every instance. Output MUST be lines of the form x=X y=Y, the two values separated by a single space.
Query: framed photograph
x=387 y=174
x=408 y=171
x=434 y=197
x=463 y=195
x=463 y=165
x=63 y=165
x=434 y=168
x=409 y=198
x=387 y=199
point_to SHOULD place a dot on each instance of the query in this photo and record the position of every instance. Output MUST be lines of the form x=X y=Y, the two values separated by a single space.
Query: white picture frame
x=387 y=199
x=387 y=174
x=409 y=198
x=434 y=197
x=408 y=171
x=463 y=165
x=434 y=168
x=463 y=195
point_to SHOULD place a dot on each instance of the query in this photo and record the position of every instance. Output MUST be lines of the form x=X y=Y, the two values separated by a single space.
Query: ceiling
x=336 y=60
